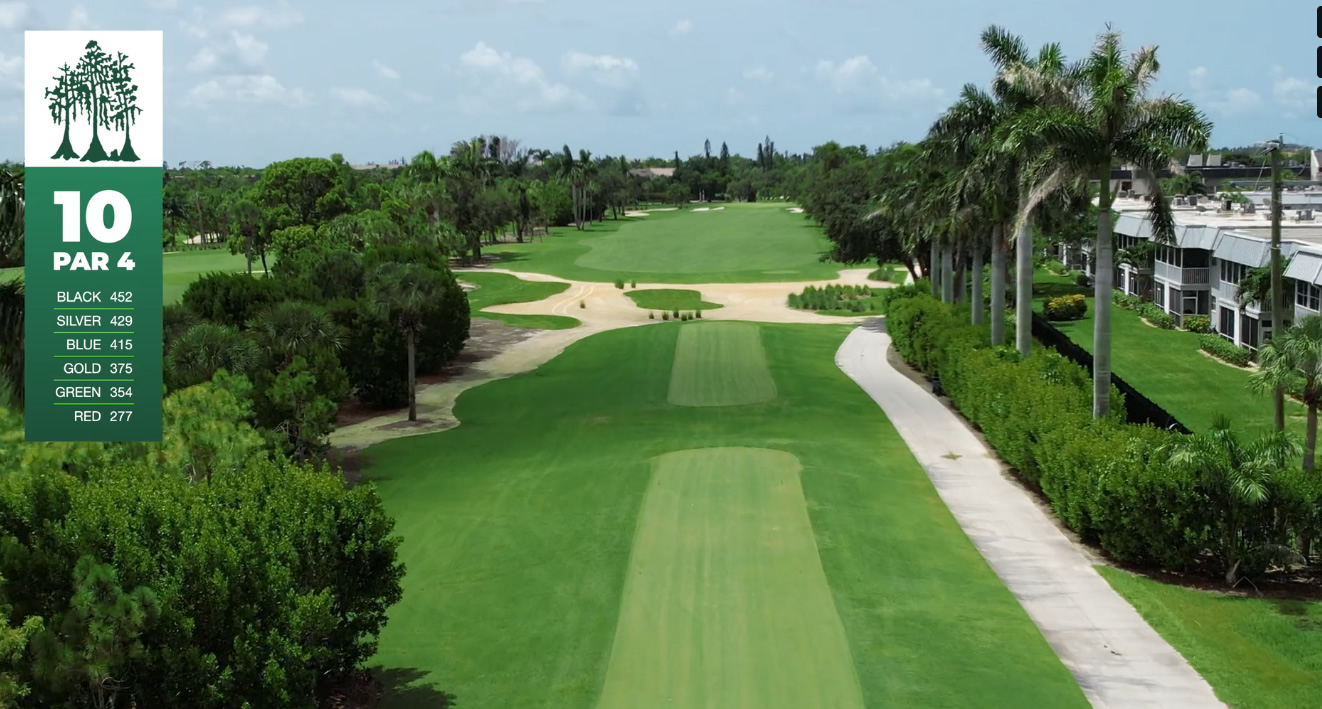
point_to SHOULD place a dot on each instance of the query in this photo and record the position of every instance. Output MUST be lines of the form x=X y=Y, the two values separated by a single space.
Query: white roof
x=1305 y=266
x=1196 y=236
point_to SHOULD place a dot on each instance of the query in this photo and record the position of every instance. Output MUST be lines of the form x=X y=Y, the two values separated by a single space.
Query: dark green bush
x=1081 y=279
x=1128 y=302
x=651 y=315
x=1110 y=481
x=619 y=284
x=1200 y=324
x=1156 y=316
x=1225 y=350
x=234 y=298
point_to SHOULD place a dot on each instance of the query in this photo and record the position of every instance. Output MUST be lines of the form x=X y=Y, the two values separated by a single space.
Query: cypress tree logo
x=98 y=90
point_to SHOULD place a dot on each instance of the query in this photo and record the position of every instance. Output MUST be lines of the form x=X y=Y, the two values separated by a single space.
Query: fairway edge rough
x=725 y=601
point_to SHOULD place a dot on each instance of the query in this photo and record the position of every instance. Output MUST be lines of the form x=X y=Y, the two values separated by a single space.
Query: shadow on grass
x=1057 y=289
x=404 y=688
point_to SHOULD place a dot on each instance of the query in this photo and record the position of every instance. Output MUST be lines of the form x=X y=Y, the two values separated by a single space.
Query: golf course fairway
x=723 y=547
x=598 y=532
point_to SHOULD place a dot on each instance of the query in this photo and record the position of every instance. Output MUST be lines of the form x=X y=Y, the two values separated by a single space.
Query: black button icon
x=1319 y=102
x=1319 y=21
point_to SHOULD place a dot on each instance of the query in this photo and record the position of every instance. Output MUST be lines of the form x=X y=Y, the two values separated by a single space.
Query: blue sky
x=249 y=83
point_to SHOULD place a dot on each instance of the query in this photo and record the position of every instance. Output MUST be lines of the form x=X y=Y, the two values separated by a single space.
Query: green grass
x=670 y=299
x=743 y=243
x=1256 y=653
x=502 y=289
x=720 y=364
x=519 y=526
x=1167 y=367
x=181 y=268
x=740 y=512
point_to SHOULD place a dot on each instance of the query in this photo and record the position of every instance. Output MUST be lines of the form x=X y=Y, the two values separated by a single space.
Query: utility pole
x=1278 y=300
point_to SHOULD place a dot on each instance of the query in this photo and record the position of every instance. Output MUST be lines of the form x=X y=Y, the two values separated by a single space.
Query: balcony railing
x=1183 y=276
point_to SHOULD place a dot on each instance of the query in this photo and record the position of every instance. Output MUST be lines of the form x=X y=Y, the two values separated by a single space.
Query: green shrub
x=1128 y=302
x=1225 y=350
x=1081 y=279
x=1066 y=307
x=1111 y=482
x=1200 y=324
x=619 y=284
x=697 y=314
x=665 y=316
x=1056 y=267
x=651 y=315
x=582 y=304
x=675 y=313
x=633 y=284
x=1156 y=316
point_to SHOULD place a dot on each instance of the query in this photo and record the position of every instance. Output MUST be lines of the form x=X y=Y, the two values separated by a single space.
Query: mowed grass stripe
x=720 y=364
x=725 y=603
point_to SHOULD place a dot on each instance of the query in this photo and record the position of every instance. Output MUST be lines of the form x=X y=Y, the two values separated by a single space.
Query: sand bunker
x=702 y=209
x=796 y=210
x=634 y=213
x=606 y=308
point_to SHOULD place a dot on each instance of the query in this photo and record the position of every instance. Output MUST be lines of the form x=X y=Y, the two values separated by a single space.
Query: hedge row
x=1112 y=482
x=1225 y=350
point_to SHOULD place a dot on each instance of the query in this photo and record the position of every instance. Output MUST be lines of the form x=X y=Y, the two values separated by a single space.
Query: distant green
x=742 y=243
x=502 y=289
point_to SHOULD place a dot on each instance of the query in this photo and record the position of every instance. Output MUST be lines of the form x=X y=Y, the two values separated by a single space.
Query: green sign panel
x=93 y=262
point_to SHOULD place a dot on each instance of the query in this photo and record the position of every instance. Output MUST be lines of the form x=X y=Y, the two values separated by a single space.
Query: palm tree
x=994 y=171
x=1083 y=122
x=290 y=329
x=403 y=292
x=1293 y=363
x=1236 y=477
x=1139 y=257
x=12 y=309
x=12 y=205
x=205 y=348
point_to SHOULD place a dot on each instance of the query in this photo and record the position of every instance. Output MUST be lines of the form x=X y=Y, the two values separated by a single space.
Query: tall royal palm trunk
x=1023 y=291
x=1000 y=257
x=933 y=268
x=947 y=273
x=975 y=275
x=1104 y=279
x=1310 y=439
x=413 y=398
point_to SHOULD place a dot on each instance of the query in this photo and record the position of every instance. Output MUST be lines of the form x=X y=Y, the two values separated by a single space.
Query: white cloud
x=681 y=28
x=252 y=89
x=163 y=4
x=273 y=17
x=500 y=80
x=1219 y=100
x=12 y=14
x=864 y=86
x=615 y=72
x=11 y=76
x=758 y=73
x=80 y=20
x=1292 y=93
x=734 y=97
x=237 y=51
x=360 y=98
x=384 y=71
x=416 y=97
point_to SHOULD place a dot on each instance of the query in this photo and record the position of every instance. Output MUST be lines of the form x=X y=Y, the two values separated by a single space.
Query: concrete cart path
x=1117 y=658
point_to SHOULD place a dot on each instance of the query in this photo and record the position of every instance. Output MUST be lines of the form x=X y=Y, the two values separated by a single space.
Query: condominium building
x=1216 y=246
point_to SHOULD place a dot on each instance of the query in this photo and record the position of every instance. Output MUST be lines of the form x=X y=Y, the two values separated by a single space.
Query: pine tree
x=94 y=70
x=123 y=104
x=64 y=108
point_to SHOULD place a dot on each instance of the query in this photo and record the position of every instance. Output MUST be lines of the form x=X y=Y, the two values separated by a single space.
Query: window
x=1248 y=331
x=1169 y=254
x=1159 y=296
x=1190 y=303
x=1232 y=272
x=1227 y=328
x=1307 y=295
